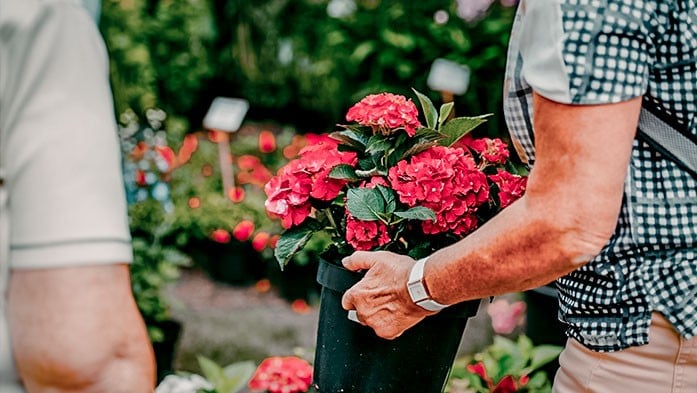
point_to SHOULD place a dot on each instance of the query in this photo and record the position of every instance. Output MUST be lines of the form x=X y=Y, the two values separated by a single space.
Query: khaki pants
x=668 y=364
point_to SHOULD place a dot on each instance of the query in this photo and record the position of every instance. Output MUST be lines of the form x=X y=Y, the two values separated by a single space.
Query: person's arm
x=567 y=215
x=78 y=329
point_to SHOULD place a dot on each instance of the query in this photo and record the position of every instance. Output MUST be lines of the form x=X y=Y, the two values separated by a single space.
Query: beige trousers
x=668 y=364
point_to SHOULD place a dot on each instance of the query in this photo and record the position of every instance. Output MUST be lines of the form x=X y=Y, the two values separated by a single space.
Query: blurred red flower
x=288 y=374
x=220 y=236
x=267 y=141
x=236 y=194
x=260 y=241
x=243 y=231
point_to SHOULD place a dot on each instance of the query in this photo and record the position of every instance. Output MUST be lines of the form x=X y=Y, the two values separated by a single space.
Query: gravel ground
x=229 y=324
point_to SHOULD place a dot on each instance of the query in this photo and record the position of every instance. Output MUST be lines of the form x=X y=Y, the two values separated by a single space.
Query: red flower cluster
x=289 y=193
x=511 y=187
x=281 y=375
x=386 y=111
x=366 y=235
x=447 y=181
x=493 y=151
x=507 y=384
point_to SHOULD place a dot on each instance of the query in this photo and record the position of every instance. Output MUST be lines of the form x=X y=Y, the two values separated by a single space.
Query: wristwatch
x=417 y=290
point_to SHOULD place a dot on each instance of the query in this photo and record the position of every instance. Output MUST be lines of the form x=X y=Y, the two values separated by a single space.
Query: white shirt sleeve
x=59 y=143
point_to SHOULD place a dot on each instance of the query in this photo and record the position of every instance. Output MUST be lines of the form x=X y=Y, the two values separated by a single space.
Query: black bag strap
x=667 y=134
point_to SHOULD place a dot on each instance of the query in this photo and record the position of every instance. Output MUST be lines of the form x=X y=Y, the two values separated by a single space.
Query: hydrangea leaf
x=379 y=143
x=429 y=110
x=351 y=138
x=445 y=111
x=390 y=198
x=344 y=172
x=365 y=203
x=417 y=213
x=293 y=240
x=458 y=127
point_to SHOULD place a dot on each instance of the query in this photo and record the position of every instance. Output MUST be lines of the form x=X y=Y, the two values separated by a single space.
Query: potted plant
x=389 y=183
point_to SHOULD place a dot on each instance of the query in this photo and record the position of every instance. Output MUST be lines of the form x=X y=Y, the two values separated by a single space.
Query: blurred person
x=68 y=320
x=605 y=214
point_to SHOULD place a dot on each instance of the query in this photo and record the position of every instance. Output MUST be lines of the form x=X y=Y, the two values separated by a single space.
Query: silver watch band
x=416 y=288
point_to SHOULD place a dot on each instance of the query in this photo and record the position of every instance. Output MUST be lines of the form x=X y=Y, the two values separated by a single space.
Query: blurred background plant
x=512 y=363
x=299 y=62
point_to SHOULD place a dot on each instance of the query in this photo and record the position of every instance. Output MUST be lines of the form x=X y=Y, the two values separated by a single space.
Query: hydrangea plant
x=389 y=182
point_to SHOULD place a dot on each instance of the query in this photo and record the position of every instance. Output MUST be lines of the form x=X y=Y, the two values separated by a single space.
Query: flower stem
x=330 y=217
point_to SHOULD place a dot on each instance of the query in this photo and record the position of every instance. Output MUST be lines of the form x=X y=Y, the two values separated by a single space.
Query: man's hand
x=381 y=299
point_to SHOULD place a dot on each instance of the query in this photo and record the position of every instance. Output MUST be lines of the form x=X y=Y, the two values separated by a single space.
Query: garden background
x=205 y=258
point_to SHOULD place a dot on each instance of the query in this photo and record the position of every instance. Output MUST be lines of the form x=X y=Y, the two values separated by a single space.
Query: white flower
x=190 y=383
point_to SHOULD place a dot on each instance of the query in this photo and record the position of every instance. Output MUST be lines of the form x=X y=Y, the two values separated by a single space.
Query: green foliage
x=291 y=60
x=229 y=379
x=155 y=265
x=505 y=357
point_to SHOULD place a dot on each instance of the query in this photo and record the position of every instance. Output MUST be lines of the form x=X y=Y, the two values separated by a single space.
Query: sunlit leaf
x=429 y=110
x=459 y=127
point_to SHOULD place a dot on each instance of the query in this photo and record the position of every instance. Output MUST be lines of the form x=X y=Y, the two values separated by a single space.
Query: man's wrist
x=417 y=290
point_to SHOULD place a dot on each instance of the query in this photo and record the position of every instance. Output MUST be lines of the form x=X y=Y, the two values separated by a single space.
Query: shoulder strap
x=663 y=131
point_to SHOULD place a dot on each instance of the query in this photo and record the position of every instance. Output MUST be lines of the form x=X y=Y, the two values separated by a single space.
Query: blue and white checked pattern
x=614 y=50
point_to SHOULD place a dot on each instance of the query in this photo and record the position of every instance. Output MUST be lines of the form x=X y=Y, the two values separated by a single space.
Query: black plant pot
x=233 y=263
x=349 y=357
x=165 y=349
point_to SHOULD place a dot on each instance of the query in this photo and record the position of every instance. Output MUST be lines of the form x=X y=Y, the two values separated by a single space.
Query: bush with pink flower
x=392 y=181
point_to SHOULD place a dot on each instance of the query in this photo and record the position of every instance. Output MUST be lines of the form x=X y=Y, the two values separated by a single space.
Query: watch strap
x=417 y=290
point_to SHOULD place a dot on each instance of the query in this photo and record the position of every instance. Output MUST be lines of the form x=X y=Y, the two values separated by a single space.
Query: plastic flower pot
x=350 y=357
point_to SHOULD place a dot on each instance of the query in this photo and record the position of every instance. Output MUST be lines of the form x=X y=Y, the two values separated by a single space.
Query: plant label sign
x=446 y=75
x=226 y=114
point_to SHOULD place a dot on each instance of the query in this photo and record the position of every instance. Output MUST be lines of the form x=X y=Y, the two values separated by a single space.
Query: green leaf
x=390 y=198
x=429 y=110
x=542 y=355
x=293 y=240
x=344 y=172
x=445 y=111
x=236 y=376
x=417 y=213
x=459 y=127
x=425 y=139
x=350 y=138
x=365 y=203
x=378 y=143
x=210 y=370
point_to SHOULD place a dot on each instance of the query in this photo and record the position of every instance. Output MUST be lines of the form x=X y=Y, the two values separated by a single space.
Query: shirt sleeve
x=60 y=145
x=587 y=52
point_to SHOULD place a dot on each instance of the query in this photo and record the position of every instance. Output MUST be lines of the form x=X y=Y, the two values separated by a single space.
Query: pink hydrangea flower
x=387 y=112
x=445 y=180
x=366 y=235
x=511 y=187
x=289 y=193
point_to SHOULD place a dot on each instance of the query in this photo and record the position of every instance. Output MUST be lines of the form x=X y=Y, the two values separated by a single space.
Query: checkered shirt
x=607 y=51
